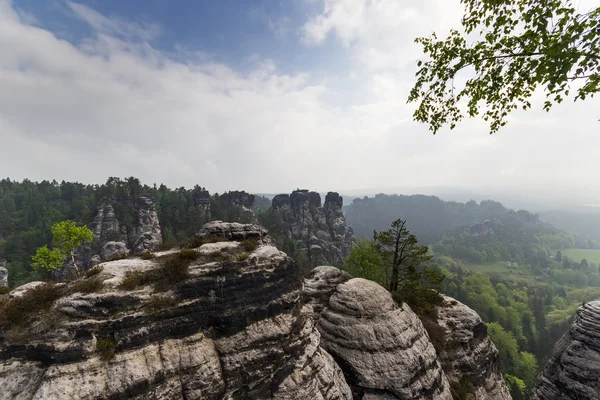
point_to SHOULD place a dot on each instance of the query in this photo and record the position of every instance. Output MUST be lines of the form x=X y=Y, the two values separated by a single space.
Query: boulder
x=112 y=250
x=383 y=348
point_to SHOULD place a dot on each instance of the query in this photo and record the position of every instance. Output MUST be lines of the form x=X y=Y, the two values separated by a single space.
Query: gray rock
x=3 y=276
x=232 y=230
x=573 y=371
x=383 y=349
x=112 y=250
x=320 y=284
x=466 y=351
x=319 y=231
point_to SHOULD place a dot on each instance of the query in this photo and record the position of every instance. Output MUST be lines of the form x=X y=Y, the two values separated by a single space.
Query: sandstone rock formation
x=573 y=371
x=317 y=232
x=240 y=323
x=466 y=352
x=320 y=284
x=235 y=328
x=382 y=348
x=137 y=231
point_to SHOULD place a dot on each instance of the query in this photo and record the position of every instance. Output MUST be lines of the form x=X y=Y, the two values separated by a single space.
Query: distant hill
x=428 y=217
x=586 y=224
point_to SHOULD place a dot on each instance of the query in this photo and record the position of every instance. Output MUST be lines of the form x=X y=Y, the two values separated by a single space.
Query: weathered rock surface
x=320 y=284
x=466 y=351
x=112 y=250
x=319 y=232
x=3 y=275
x=232 y=230
x=235 y=330
x=383 y=348
x=573 y=371
x=141 y=234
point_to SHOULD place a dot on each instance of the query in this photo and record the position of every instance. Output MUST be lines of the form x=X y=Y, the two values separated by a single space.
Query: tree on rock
x=523 y=45
x=67 y=237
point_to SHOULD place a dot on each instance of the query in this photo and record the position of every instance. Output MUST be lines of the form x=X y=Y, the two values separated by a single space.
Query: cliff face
x=137 y=230
x=573 y=371
x=318 y=233
x=466 y=352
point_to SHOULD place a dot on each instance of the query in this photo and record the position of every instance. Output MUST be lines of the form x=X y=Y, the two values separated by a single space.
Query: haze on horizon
x=266 y=98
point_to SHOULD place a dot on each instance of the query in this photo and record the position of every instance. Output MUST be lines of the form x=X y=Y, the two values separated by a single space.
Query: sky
x=265 y=96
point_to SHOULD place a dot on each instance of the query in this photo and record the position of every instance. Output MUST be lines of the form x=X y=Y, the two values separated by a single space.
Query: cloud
x=113 y=105
x=143 y=30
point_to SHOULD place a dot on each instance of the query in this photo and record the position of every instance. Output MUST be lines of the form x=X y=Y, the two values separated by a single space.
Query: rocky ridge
x=242 y=324
x=573 y=371
x=318 y=232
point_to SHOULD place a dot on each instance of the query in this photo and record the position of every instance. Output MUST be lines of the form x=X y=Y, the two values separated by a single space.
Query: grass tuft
x=93 y=271
x=159 y=302
x=188 y=254
x=106 y=348
x=134 y=279
x=147 y=255
x=91 y=285
x=250 y=244
x=36 y=301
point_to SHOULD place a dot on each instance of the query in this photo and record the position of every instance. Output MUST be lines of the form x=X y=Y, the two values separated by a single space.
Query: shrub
x=242 y=256
x=250 y=244
x=187 y=254
x=196 y=241
x=19 y=310
x=106 y=348
x=165 y=246
x=4 y=290
x=462 y=390
x=119 y=257
x=91 y=285
x=147 y=255
x=134 y=279
x=173 y=271
x=93 y=272
x=158 y=302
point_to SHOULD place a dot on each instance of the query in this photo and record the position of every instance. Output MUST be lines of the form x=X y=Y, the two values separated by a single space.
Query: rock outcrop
x=3 y=275
x=320 y=284
x=385 y=351
x=573 y=371
x=234 y=328
x=466 y=352
x=139 y=230
x=120 y=227
x=382 y=348
x=318 y=233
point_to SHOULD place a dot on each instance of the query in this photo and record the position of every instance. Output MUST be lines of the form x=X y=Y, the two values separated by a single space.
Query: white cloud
x=143 y=30
x=115 y=106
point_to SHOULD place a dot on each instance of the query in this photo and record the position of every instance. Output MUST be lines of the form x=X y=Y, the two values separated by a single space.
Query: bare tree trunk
x=73 y=260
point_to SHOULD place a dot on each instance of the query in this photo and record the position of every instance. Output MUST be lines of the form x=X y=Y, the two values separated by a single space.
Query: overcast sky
x=265 y=96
